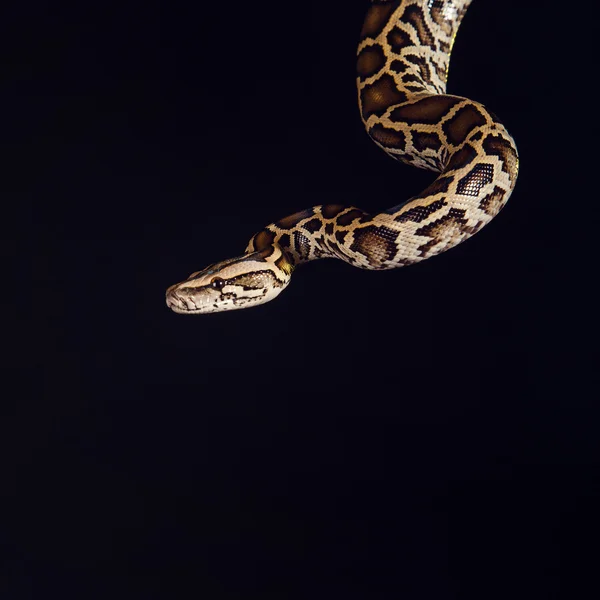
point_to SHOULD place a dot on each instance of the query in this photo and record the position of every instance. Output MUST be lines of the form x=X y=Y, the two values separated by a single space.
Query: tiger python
x=402 y=67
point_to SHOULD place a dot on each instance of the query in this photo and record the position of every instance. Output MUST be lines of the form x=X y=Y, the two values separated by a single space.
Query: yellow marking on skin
x=284 y=265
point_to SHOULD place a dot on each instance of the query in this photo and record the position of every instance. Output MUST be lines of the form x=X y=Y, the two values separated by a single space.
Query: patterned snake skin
x=403 y=58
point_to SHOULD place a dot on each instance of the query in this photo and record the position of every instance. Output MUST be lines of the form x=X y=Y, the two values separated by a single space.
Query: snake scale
x=402 y=66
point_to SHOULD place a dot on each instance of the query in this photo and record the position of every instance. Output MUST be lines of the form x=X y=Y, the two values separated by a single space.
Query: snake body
x=402 y=67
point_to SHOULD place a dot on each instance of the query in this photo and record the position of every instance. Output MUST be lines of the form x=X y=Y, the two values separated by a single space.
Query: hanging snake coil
x=403 y=58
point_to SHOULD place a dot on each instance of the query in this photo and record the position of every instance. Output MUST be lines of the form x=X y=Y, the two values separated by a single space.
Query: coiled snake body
x=403 y=58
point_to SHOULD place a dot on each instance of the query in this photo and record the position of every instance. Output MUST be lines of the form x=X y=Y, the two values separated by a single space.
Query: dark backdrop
x=414 y=433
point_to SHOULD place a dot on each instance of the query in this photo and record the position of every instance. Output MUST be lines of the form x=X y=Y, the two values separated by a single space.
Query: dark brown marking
x=370 y=61
x=412 y=78
x=429 y=110
x=440 y=71
x=493 y=202
x=477 y=178
x=420 y=213
x=313 y=225
x=390 y=138
x=414 y=15
x=423 y=140
x=341 y=236
x=350 y=216
x=379 y=96
x=376 y=19
x=422 y=65
x=376 y=243
x=399 y=66
x=466 y=119
x=330 y=211
x=285 y=241
x=398 y=39
x=462 y=158
x=332 y=245
x=497 y=145
x=440 y=186
x=291 y=220
x=263 y=239
x=449 y=230
x=329 y=228
x=417 y=89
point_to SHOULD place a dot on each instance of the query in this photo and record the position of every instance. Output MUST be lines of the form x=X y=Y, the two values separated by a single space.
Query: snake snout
x=174 y=301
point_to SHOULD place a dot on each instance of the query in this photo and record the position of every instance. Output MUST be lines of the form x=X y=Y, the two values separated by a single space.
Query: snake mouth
x=176 y=302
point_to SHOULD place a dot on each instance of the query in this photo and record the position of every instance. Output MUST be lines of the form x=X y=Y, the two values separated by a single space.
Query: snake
x=402 y=67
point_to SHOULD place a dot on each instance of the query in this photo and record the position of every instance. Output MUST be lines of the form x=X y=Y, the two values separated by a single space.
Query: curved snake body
x=402 y=67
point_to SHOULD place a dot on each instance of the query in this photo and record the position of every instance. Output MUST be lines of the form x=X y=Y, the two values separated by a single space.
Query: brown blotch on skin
x=379 y=96
x=440 y=71
x=423 y=140
x=449 y=230
x=493 y=202
x=350 y=216
x=414 y=15
x=428 y=110
x=341 y=236
x=329 y=211
x=313 y=225
x=444 y=46
x=399 y=66
x=376 y=19
x=370 y=61
x=422 y=65
x=329 y=228
x=376 y=243
x=412 y=78
x=285 y=241
x=440 y=186
x=291 y=220
x=466 y=119
x=497 y=145
x=420 y=213
x=333 y=247
x=263 y=240
x=398 y=38
x=390 y=138
x=462 y=158
x=476 y=179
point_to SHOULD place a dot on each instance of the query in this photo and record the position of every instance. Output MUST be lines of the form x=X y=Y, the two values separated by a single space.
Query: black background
x=415 y=433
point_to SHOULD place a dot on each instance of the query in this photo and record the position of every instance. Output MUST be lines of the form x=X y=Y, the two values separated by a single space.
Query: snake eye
x=217 y=283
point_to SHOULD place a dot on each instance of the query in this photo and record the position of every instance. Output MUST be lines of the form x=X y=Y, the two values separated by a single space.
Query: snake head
x=241 y=282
